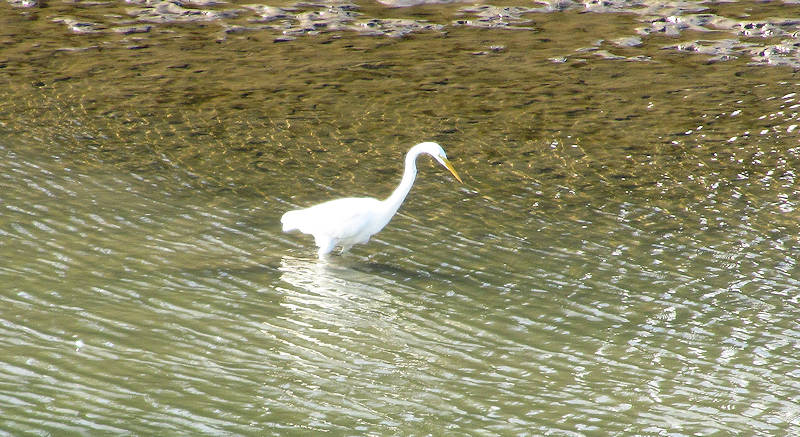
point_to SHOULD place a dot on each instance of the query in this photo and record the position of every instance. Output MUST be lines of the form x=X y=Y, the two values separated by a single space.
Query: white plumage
x=353 y=220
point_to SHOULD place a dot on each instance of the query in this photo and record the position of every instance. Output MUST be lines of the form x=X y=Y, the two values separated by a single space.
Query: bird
x=353 y=220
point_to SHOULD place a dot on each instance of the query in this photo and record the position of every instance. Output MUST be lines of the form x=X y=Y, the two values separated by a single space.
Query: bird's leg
x=325 y=245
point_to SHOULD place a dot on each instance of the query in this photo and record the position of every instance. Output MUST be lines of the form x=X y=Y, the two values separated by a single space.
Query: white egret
x=353 y=220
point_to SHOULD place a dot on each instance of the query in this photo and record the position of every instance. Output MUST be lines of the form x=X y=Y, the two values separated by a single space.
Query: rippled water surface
x=621 y=259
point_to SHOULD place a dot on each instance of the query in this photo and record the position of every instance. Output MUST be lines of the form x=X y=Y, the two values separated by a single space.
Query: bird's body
x=340 y=222
x=353 y=220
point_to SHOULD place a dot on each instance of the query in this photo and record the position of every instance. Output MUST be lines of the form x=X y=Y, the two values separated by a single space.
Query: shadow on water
x=345 y=277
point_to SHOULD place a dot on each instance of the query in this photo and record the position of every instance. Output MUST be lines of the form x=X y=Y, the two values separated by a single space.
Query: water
x=620 y=260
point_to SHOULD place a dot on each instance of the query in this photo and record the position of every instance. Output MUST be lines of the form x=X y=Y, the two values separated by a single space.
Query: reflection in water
x=330 y=291
x=622 y=259
x=344 y=332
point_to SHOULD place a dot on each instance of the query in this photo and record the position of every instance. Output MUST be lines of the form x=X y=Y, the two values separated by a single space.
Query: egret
x=353 y=220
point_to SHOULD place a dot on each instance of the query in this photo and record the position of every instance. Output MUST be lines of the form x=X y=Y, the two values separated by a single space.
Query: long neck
x=394 y=201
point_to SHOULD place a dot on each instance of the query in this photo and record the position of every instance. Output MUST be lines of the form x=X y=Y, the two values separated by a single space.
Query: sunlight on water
x=620 y=260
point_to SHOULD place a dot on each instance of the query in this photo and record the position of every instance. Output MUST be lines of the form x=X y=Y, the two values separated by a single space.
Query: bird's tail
x=290 y=221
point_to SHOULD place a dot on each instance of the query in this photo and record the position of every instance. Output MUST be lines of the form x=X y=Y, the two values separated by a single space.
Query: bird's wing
x=341 y=218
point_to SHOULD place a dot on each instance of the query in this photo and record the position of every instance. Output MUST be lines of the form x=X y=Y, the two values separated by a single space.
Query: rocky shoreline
x=771 y=41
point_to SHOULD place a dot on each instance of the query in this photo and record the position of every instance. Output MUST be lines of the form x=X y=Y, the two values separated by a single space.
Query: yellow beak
x=452 y=170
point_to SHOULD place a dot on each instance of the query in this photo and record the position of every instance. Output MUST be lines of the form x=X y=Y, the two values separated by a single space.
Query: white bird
x=353 y=220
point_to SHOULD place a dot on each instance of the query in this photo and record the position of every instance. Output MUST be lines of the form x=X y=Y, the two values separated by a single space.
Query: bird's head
x=438 y=154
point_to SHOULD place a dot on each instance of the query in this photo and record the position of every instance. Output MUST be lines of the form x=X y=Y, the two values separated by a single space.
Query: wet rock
x=717 y=50
x=669 y=8
x=339 y=4
x=628 y=41
x=268 y=13
x=394 y=27
x=765 y=41
x=556 y=5
x=605 y=54
x=785 y=54
x=77 y=49
x=611 y=5
x=329 y=20
x=495 y=17
x=668 y=26
x=594 y=47
x=162 y=11
x=203 y=3
x=492 y=49
x=325 y=18
x=767 y=29
x=77 y=26
x=707 y=47
x=127 y=30
x=229 y=29
x=24 y=3
x=597 y=51
x=170 y=8
x=408 y=3
x=307 y=18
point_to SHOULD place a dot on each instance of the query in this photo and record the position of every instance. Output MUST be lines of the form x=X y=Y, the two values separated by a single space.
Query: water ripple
x=624 y=268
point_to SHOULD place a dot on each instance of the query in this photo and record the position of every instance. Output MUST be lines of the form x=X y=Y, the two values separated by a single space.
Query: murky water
x=621 y=259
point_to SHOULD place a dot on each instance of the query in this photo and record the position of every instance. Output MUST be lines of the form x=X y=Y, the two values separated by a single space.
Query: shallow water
x=620 y=260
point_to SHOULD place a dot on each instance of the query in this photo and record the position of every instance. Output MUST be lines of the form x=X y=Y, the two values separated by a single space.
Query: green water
x=621 y=259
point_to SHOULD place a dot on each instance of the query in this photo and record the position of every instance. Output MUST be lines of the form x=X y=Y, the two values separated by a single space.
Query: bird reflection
x=333 y=292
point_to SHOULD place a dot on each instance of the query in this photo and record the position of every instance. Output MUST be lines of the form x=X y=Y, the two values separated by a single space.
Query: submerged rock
x=394 y=27
x=495 y=17
x=408 y=3
x=785 y=53
x=167 y=11
x=203 y=3
x=765 y=41
x=24 y=3
x=268 y=13
x=126 y=30
x=628 y=41
x=79 y=26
